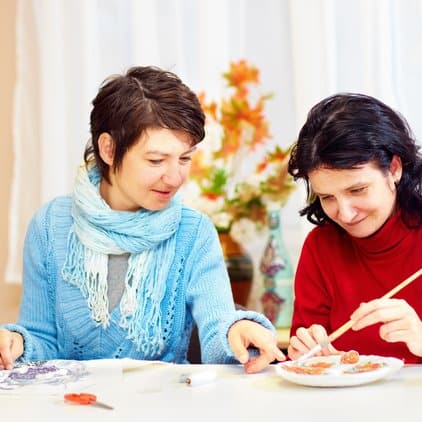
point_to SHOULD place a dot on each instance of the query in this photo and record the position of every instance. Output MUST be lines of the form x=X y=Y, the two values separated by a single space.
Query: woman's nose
x=345 y=211
x=173 y=177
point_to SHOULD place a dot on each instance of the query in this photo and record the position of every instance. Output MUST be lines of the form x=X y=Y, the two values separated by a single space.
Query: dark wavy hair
x=347 y=130
x=145 y=97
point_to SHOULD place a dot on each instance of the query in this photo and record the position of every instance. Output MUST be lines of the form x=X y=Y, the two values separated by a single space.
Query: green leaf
x=218 y=180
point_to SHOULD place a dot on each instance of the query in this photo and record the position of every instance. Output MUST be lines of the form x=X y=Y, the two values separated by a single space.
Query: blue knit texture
x=56 y=321
x=98 y=231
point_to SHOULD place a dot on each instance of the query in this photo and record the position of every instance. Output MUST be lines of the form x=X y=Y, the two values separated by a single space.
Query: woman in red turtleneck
x=363 y=172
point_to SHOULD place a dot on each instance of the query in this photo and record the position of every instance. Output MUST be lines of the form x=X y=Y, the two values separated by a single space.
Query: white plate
x=336 y=375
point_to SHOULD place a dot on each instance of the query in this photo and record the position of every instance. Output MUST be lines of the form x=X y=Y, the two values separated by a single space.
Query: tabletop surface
x=156 y=393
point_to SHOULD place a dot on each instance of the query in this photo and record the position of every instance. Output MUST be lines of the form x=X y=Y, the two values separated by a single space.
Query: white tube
x=200 y=378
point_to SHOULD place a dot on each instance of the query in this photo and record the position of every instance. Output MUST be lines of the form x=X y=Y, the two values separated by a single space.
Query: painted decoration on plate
x=334 y=371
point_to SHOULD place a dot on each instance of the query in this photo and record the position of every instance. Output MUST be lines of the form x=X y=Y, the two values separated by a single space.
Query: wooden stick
x=403 y=284
x=337 y=333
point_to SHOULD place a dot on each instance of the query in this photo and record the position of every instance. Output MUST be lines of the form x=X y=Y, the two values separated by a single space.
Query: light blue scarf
x=148 y=236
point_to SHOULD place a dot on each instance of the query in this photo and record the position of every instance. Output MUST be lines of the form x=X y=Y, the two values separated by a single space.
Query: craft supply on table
x=86 y=399
x=199 y=378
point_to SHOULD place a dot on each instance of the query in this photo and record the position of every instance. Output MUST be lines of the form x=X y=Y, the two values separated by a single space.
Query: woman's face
x=151 y=172
x=359 y=200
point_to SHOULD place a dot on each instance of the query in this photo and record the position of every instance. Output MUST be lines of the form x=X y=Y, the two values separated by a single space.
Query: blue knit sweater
x=56 y=322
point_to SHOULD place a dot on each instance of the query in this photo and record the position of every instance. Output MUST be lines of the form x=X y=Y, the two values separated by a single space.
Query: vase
x=239 y=266
x=277 y=275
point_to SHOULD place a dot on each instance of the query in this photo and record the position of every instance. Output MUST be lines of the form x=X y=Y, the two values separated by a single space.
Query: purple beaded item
x=53 y=372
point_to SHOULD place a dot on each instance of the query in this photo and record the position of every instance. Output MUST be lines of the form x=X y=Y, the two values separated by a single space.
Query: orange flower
x=241 y=74
x=243 y=128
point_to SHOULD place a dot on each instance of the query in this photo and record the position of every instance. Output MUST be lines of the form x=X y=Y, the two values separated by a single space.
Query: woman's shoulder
x=58 y=205
x=195 y=228
x=55 y=210
x=50 y=224
x=194 y=218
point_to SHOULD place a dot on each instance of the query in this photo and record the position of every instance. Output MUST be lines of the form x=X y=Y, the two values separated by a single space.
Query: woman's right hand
x=11 y=348
x=307 y=338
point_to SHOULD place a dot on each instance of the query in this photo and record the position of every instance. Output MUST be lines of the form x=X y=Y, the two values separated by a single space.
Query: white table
x=156 y=395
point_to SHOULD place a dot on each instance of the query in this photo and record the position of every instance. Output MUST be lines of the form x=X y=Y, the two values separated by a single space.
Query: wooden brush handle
x=340 y=331
x=403 y=284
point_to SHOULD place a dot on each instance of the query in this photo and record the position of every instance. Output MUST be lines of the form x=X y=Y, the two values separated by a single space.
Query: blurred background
x=55 y=54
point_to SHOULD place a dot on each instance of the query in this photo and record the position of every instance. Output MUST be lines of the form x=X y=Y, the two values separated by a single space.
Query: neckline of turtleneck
x=387 y=238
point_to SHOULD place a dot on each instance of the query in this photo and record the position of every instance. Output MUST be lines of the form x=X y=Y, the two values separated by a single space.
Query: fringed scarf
x=148 y=236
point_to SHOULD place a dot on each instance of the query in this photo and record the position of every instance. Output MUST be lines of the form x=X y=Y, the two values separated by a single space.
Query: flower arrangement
x=241 y=174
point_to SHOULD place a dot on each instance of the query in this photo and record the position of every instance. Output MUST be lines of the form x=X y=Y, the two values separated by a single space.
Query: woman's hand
x=399 y=320
x=243 y=334
x=307 y=338
x=11 y=347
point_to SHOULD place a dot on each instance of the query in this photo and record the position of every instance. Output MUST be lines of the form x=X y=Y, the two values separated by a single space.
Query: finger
x=396 y=336
x=297 y=345
x=331 y=350
x=366 y=308
x=315 y=334
x=240 y=350
x=304 y=335
x=392 y=326
x=363 y=310
x=319 y=333
x=404 y=329
x=11 y=347
x=408 y=334
x=293 y=353
x=268 y=348
x=297 y=348
x=268 y=352
x=381 y=314
x=6 y=357
x=327 y=350
x=244 y=334
x=258 y=363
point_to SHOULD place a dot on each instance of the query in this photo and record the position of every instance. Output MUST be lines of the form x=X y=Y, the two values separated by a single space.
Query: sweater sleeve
x=36 y=321
x=312 y=301
x=210 y=297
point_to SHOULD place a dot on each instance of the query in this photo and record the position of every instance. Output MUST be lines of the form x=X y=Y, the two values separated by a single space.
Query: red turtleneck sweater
x=337 y=272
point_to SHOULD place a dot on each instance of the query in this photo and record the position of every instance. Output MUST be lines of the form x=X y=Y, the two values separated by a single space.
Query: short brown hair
x=145 y=97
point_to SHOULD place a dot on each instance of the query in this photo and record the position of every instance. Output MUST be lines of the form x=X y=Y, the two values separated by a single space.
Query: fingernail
x=243 y=358
x=248 y=369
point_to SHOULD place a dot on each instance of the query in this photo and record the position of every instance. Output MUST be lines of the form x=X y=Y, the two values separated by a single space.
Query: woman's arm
x=210 y=299
x=37 y=323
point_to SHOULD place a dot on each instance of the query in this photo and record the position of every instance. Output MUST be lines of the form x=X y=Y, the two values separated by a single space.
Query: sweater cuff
x=237 y=316
x=28 y=345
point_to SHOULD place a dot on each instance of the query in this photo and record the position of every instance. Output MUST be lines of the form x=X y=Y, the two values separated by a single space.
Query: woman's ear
x=396 y=169
x=106 y=148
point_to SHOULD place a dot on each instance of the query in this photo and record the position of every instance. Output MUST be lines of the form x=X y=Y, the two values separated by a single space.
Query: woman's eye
x=325 y=198
x=185 y=159
x=155 y=162
x=359 y=190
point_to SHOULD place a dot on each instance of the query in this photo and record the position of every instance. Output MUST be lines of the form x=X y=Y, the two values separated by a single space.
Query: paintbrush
x=345 y=327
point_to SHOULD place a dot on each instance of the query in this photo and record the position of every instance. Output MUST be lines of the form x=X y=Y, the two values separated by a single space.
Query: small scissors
x=86 y=398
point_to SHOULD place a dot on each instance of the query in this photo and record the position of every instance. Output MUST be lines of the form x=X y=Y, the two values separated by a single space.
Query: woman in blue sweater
x=121 y=268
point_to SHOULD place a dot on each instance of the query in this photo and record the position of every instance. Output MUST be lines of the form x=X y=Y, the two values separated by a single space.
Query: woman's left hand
x=399 y=320
x=243 y=334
